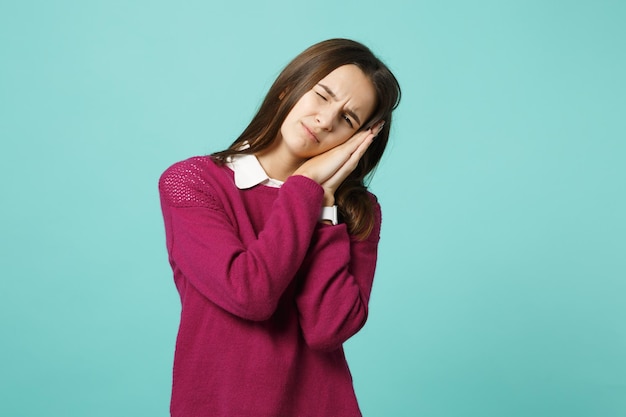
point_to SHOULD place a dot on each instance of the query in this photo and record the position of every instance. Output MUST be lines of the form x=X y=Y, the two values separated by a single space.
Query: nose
x=325 y=119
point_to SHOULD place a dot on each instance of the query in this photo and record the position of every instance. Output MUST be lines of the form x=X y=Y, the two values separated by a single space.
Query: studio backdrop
x=501 y=279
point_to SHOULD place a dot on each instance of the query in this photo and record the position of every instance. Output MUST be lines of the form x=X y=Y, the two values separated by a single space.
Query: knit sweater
x=269 y=294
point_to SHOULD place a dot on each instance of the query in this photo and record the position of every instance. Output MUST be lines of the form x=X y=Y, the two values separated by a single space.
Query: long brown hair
x=298 y=77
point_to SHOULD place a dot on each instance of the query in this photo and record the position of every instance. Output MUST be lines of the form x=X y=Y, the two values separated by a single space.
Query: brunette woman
x=273 y=243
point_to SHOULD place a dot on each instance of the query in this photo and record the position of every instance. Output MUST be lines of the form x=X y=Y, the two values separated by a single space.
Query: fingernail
x=379 y=129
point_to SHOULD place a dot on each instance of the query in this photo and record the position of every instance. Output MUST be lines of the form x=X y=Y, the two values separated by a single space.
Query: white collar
x=249 y=172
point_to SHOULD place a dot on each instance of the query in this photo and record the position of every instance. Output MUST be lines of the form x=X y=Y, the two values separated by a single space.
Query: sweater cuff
x=306 y=185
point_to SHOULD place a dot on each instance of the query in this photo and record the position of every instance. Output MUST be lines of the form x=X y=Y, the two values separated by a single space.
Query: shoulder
x=376 y=217
x=191 y=182
x=190 y=168
x=372 y=198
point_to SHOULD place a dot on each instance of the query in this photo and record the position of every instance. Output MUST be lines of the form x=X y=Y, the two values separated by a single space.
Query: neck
x=277 y=163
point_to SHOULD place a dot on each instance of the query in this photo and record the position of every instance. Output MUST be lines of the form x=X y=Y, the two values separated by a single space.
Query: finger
x=378 y=127
x=360 y=150
x=346 y=156
x=355 y=140
x=344 y=170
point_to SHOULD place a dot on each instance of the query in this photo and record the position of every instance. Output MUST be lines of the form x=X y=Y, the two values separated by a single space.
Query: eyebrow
x=350 y=112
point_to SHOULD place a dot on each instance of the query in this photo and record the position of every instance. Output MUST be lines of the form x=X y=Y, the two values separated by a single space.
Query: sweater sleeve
x=246 y=280
x=338 y=274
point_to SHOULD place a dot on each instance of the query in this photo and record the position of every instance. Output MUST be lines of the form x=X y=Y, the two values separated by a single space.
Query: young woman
x=273 y=243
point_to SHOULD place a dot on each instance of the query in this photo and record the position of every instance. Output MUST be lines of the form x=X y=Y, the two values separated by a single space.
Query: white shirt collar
x=249 y=172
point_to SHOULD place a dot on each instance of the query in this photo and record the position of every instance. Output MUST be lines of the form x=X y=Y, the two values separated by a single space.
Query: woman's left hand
x=331 y=184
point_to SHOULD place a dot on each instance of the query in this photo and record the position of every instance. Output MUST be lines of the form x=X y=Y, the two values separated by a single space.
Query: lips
x=310 y=133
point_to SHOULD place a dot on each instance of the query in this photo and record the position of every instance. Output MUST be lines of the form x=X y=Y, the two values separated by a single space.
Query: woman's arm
x=204 y=244
x=333 y=297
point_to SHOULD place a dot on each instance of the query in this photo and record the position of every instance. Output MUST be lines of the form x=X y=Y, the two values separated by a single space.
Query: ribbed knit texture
x=268 y=293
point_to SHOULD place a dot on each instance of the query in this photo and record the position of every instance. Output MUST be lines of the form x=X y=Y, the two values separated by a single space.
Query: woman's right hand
x=333 y=166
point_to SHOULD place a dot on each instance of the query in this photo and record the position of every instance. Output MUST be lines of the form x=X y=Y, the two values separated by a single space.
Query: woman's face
x=329 y=114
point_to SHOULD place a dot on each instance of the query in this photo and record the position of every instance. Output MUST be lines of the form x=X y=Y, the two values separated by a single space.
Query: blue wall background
x=502 y=276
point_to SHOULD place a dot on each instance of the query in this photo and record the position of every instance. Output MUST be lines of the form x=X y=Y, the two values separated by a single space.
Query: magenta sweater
x=268 y=293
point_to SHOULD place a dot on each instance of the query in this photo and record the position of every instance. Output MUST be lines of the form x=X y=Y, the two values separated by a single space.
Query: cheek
x=305 y=104
x=297 y=108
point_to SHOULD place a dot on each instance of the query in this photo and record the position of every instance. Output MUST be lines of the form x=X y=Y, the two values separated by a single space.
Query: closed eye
x=349 y=112
x=347 y=119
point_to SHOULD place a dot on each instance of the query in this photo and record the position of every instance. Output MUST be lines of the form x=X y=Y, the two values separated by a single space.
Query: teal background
x=502 y=276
